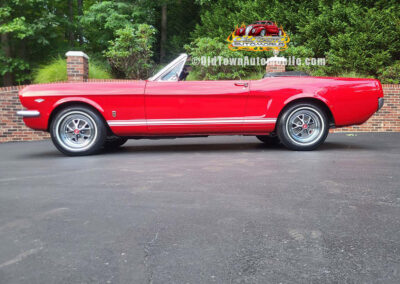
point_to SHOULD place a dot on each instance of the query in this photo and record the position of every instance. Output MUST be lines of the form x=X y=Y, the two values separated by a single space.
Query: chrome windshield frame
x=160 y=74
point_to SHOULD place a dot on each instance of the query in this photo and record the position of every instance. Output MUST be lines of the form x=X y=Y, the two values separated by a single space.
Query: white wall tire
x=78 y=131
x=303 y=127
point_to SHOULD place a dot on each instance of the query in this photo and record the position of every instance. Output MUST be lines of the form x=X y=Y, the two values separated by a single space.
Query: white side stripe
x=140 y=122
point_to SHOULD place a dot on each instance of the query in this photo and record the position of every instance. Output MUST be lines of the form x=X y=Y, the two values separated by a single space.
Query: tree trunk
x=80 y=13
x=7 y=78
x=163 y=31
x=71 y=37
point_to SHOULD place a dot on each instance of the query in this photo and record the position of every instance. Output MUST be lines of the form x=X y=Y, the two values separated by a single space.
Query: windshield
x=172 y=71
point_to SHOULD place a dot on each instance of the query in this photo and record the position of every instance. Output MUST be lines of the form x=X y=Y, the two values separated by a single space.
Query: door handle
x=241 y=84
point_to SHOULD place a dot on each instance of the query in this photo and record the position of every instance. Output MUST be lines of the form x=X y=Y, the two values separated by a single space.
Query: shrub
x=209 y=48
x=131 y=52
x=390 y=74
x=56 y=71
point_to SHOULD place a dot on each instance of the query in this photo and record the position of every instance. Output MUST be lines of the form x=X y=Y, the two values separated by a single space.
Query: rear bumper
x=381 y=102
x=28 y=113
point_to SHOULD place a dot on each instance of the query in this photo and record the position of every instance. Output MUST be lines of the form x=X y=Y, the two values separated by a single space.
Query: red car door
x=195 y=107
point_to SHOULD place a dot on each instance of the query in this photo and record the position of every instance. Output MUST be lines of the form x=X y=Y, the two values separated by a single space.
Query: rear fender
x=307 y=96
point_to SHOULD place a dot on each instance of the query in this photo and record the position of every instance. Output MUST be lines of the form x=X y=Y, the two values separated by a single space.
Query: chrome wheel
x=304 y=126
x=76 y=131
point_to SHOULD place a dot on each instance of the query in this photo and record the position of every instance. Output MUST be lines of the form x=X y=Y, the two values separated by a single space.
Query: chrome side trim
x=28 y=113
x=141 y=122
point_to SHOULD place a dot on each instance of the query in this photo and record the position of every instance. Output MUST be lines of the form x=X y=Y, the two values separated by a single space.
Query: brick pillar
x=276 y=64
x=77 y=66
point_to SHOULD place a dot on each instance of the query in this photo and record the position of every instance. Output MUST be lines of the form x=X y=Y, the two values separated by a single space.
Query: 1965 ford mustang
x=294 y=110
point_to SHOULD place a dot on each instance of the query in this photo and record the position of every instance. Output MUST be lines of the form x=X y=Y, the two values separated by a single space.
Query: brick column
x=276 y=64
x=77 y=66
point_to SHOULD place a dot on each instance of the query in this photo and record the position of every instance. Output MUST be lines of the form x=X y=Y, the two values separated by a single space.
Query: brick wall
x=12 y=127
x=386 y=119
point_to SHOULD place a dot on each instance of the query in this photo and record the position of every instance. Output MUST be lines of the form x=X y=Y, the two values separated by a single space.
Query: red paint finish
x=196 y=100
x=269 y=28
x=143 y=108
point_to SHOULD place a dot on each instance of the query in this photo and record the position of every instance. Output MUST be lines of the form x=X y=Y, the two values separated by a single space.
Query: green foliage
x=16 y=66
x=131 y=52
x=56 y=71
x=209 y=48
x=99 y=70
x=352 y=36
x=390 y=74
x=355 y=36
x=103 y=19
x=359 y=37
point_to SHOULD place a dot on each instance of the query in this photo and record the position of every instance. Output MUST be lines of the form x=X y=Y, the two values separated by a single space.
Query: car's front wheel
x=262 y=33
x=78 y=131
x=303 y=127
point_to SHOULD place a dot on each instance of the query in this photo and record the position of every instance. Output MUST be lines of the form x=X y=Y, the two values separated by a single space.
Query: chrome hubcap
x=304 y=126
x=76 y=131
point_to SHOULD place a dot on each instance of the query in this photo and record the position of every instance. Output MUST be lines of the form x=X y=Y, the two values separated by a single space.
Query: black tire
x=114 y=142
x=91 y=131
x=310 y=135
x=269 y=140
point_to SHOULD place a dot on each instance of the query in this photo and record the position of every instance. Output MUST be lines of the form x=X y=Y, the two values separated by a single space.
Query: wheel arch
x=62 y=104
x=323 y=105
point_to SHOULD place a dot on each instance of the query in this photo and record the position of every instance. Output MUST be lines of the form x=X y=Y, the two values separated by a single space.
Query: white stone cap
x=277 y=60
x=77 y=53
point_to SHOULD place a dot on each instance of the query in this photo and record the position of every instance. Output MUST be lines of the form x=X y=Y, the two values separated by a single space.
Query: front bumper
x=381 y=101
x=28 y=113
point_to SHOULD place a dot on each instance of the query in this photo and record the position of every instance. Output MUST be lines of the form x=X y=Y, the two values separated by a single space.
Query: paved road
x=205 y=210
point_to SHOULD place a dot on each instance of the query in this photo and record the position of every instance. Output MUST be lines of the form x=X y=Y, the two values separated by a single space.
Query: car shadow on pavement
x=226 y=147
x=167 y=148
x=187 y=148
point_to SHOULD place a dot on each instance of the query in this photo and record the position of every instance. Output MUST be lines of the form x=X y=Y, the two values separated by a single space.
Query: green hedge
x=56 y=71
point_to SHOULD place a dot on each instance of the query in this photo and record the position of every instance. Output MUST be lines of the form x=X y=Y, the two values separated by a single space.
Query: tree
x=163 y=30
x=131 y=51
x=33 y=25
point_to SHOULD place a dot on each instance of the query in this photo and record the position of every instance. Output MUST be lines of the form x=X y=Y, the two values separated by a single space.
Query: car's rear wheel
x=114 y=142
x=78 y=131
x=303 y=127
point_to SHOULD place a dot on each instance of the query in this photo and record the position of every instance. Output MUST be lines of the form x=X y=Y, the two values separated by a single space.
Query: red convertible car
x=259 y=28
x=296 y=111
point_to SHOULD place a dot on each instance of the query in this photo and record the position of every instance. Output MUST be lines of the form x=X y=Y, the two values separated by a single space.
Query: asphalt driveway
x=204 y=210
